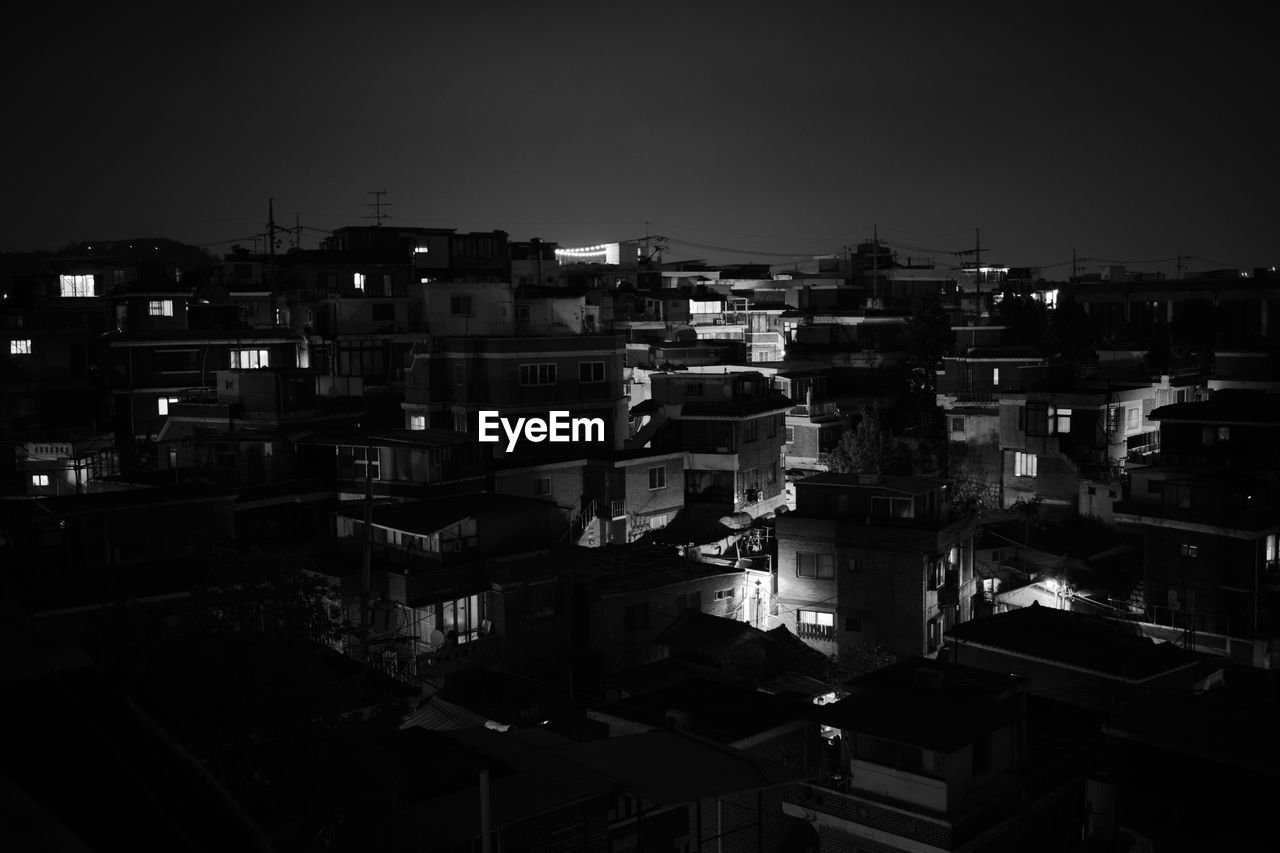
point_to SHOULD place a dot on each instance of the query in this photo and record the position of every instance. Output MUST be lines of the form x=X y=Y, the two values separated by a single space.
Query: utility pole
x=1179 y=264
x=977 y=268
x=297 y=230
x=1075 y=270
x=875 y=261
x=366 y=555
x=377 y=204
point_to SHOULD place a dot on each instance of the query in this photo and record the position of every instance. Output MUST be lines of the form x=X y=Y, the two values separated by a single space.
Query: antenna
x=377 y=204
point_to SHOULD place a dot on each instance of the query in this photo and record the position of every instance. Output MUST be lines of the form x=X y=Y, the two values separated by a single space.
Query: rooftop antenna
x=377 y=204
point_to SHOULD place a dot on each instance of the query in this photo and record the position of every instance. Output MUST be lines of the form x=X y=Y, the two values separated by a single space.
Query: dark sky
x=1122 y=130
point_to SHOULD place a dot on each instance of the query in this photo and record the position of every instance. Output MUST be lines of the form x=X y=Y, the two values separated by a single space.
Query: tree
x=926 y=338
x=866 y=449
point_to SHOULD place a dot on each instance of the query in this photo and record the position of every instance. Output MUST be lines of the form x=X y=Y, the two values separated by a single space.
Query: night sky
x=1125 y=131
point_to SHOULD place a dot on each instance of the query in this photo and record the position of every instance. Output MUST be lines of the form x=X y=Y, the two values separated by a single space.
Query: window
x=817 y=617
x=79 y=285
x=39 y=479
x=1190 y=551
x=417 y=422
x=724 y=594
x=791 y=435
x=20 y=347
x=1134 y=417
x=1037 y=415
x=538 y=374
x=460 y=305
x=886 y=507
x=1024 y=464
x=162 y=405
x=995 y=377
x=250 y=359
x=857 y=565
x=1271 y=552
x=657 y=522
x=934 y=634
x=591 y=371
x=357 y=280
x=160 y=308
x=1062 y=421
x=772 y=423
x=358 y=463
x=635 y=617
x=657 y=477
x=821 y=566
x=541 y=487
x=957 y=424
x=522 y=313
x=693 y=389
x=460 y=421
x=751 y=431
x=1215 y=435
x=117 y=277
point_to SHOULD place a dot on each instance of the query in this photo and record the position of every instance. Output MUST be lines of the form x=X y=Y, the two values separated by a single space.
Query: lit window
x=250 y=359
x=363 y=460
x=162 y=405
x=658 y=477
x=538 y=374
x=657 y=522
x=892 y=507
x=39 y=479
x=78 y=285
x=1185 y=550
x=541 y=486
x=20 y=347
x=817 y=617
x=591 y=371
x=1062 y=421
x=1134 y=416
x=821 y=566
x=995 y=377
x=723 y=594
x=1024 y=464
x=358 y=281
x=417 y=422
x=160 y=308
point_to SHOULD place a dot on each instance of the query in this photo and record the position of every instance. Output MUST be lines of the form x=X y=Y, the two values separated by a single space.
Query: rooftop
x=1080 y=641
x=891 y=482
x=720 y=712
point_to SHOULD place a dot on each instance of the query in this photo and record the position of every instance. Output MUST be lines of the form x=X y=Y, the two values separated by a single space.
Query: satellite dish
x=437 y=638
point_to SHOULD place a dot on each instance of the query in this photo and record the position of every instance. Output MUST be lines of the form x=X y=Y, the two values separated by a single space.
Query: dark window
x=822 y=566
x=658 y=477
x=1037 y=419
x=957 y=424
x=935 y=634
x=522 y=313
x=591 y=371
x=689 y=601
x=538 y=374
x=751 y=431
x=460 y=305
x=384 y=311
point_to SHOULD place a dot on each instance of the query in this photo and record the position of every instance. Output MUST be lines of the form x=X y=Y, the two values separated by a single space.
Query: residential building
x=936 y=756
x=870 y=562
x=1208 y=511
x=733 y=427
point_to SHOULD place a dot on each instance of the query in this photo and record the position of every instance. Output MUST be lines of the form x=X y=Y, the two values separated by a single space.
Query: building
x=874 y=562
x=935 y=756
x=1208 y=512
x=733 y=427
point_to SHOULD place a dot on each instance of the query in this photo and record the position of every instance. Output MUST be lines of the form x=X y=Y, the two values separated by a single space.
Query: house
x=1208 y=511
x=732 y=426
x=874 y=561
x=935 y=756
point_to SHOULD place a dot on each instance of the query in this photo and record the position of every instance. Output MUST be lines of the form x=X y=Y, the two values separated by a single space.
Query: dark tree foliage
x=868 y=448
x=926 y=338
x=1026 y=321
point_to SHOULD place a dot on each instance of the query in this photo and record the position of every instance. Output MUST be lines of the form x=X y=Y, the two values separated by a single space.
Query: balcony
x=809 y=631
x=617 y=509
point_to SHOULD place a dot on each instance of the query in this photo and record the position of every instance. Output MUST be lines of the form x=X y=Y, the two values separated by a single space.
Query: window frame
x=658 y=474
x=821 y=570
x=538 y=374
x=587 y=372
x=1025 y=462
x=159 y=307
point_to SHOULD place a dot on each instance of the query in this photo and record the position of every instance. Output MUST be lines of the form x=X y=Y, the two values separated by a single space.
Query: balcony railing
x=617 y=509
x=809 y=631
